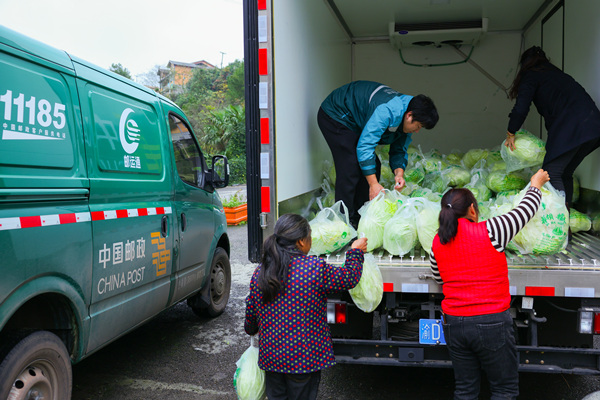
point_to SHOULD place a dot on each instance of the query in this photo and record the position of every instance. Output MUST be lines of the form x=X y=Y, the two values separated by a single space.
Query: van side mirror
x=219 y=174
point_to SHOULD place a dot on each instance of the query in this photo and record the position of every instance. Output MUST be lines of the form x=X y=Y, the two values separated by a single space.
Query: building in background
x=173 y=78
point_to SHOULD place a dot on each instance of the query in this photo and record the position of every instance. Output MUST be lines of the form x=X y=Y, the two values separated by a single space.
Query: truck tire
x=38 y=366
x=218 y=289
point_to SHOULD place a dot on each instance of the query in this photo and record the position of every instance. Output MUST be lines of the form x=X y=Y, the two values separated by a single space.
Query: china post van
x=108 y=214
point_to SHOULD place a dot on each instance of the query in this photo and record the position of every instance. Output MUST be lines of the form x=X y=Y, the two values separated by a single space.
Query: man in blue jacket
x=357 y=117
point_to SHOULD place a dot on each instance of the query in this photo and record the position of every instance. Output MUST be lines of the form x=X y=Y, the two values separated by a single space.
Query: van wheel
x=219 y=286
x=37 y=367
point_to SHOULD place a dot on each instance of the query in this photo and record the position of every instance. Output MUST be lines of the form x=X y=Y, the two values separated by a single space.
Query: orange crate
x=235 y=215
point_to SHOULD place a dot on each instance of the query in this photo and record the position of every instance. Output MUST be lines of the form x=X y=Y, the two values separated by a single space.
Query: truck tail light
x=589 y=321
x=336 y=313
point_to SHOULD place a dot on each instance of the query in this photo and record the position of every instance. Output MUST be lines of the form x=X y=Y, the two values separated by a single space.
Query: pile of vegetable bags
x=495 y=176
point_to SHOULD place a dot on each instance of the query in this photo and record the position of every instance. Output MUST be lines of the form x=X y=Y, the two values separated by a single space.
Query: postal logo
x=129 y=132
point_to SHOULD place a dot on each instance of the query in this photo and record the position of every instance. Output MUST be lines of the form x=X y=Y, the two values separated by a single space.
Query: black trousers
x=292 y=386
x=351 y=186
x=561 y=169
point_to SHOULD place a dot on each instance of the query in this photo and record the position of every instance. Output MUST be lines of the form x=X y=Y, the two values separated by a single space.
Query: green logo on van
x=129 y=132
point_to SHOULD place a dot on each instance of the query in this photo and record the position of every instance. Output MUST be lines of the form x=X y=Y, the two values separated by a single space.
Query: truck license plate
x=431 y=332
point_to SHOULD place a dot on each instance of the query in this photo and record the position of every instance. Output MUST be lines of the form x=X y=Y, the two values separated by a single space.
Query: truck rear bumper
x=411 y=354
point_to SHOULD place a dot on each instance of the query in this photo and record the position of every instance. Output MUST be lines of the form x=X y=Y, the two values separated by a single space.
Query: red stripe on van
x=31 y=222
x=160 y=210
x=142 y=212
x=67 y=218
x=262 y=4
x=122 y=214
x=539 y=291
x=97 y=215
x=388 y=287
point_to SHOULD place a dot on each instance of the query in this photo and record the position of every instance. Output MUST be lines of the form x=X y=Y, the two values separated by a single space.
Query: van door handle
x=183 y=222
x=164 y=225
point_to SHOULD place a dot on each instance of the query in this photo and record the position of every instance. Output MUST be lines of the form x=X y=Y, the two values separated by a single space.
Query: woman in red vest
x=468 y=258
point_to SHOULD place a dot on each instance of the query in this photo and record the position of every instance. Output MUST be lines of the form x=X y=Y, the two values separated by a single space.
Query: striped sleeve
x=434 y=269
x=503 y=228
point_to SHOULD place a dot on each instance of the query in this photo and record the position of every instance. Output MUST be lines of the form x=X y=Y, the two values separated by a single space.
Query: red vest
x=475 y=274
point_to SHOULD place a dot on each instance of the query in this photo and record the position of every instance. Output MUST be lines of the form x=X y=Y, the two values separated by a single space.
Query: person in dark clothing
x=571 y=117
x=287 y=305
x=357 y=117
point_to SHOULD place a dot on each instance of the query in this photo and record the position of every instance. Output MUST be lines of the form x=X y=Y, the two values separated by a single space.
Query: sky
x=139 y=34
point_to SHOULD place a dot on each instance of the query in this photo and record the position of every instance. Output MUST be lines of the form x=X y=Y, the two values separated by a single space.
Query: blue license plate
x=431 y=332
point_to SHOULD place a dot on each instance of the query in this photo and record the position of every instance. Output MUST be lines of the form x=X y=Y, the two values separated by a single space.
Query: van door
x=131 y=197
x=194 y=209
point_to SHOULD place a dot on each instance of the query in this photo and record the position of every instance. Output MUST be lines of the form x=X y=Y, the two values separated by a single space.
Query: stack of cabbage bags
x=399 y=223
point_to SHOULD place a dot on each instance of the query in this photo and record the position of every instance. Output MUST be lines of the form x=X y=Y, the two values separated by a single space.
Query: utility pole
x=222 y=54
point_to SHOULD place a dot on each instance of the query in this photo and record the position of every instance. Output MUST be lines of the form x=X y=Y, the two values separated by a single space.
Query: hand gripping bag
x=547 y=231
x=249 y=379
x=368 y=293
x=374 y=214
x=529 y=152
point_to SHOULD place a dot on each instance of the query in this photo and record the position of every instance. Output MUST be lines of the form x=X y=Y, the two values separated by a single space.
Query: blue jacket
x=375 y=112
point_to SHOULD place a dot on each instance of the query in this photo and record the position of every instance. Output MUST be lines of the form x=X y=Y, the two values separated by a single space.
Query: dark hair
x=532 y=59
x=278 y=250
x=455 y=205
x=423 y=110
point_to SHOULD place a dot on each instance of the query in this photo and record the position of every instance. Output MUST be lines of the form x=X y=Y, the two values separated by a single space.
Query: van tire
x=219 y=286
x=38 y=362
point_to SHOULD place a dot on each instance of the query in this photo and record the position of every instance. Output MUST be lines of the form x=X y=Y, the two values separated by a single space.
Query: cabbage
x=432 y=164
x=529 y=152
x=388 y=179
x=472 y=156
x=507 y=193
x=546 y=232
x=436 y=181
x=494 y=157
x=331 y=230
x=426 y=193
x=329 y=171
x=578 y=221
x=499 y=181
x=374 y=215
x=368 y=293
x=477 y=186
x=596 y=223
x=249 y=379
x=415 y=174
x=427 y=223
x=400 y=232
x=498 y=166
x=454 y=158
x=457 y=176
x=409 y=188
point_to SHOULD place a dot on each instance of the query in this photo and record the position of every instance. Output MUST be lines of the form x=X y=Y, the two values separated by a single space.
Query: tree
x=150 y=78
x=121 y=70
x=236 y=83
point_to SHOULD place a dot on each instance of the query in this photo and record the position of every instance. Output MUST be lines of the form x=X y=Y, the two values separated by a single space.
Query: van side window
x=187 y=154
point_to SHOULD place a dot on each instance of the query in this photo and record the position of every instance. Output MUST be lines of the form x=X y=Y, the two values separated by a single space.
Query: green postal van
x=108 y=214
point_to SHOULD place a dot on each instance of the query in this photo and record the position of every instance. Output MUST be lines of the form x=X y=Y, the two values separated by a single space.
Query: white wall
x=312 y=57
x=473 y=110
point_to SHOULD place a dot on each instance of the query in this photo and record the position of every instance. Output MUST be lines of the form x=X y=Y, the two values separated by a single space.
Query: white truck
x=464 y=55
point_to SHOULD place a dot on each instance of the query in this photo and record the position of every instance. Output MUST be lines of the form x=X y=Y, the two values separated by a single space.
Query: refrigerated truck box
x=108 y=214
x=464 y=55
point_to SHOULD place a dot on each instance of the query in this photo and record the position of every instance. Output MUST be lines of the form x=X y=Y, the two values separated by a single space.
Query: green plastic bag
x=546 y=232
x=579 y=222
x=373 y=216
x=400 y=232
x=331 y=230
x=368 y=293
x=249 y=379
x=529 y=152
x=427 y=222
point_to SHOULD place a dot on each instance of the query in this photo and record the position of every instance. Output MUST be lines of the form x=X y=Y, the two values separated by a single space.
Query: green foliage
x=236 y=200
x=121 y=70
x=213 y=101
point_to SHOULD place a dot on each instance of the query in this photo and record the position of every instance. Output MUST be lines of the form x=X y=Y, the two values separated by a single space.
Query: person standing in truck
x=357 y=117
x=571 y=117
x=287 y=306
x=467 y=257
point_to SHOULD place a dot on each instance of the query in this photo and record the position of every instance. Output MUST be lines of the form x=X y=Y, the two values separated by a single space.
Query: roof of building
x=197 y=64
